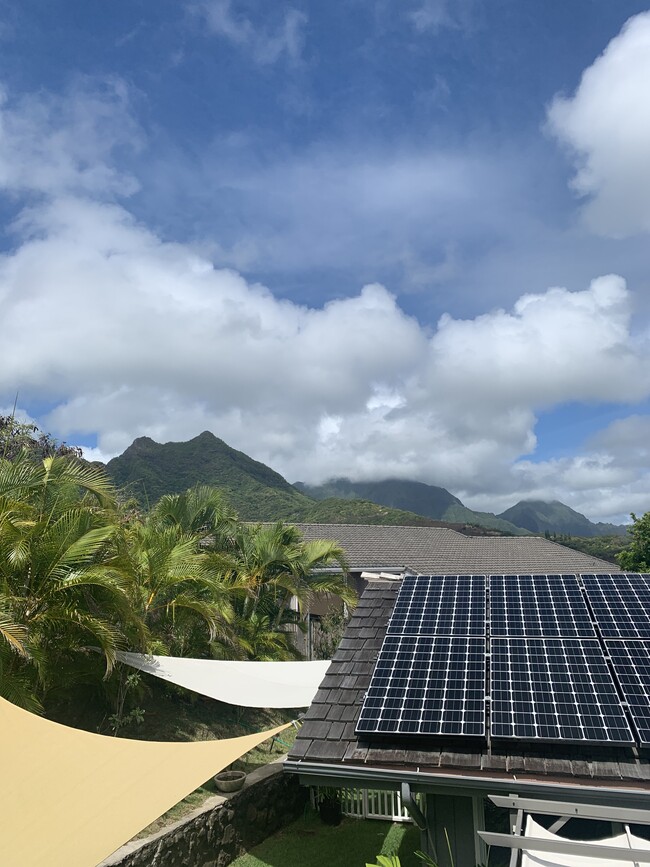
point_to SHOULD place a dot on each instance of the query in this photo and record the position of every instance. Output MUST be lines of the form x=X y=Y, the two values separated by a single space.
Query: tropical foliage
x=17 y=436
x=636 y=557
x=83 y=576
x=604 y=547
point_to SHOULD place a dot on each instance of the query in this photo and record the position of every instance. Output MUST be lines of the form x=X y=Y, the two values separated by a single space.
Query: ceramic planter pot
x=230 y=781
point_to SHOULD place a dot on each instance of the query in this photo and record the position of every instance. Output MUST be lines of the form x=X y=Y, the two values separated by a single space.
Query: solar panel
x=544 y=605
x=621 y=604
x=426 y=685
x=554 y=689
x=631 y=663
x=439 y=605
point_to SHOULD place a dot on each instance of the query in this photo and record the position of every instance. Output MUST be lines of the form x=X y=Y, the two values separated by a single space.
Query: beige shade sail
x=70 y=798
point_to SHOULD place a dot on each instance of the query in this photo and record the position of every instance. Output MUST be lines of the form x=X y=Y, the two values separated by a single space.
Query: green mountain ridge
x=428 y=500
x=147 y=470
x=539 y=516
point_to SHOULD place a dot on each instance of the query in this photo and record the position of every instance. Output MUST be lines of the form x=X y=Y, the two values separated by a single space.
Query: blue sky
x=360 y=239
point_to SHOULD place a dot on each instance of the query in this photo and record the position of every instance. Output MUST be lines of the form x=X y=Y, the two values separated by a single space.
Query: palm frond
x=14 y=634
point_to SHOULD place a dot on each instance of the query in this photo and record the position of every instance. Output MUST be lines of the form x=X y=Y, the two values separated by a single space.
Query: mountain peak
x=150 y=469
x=206 y=436
x=553 y=516
x=138 y=442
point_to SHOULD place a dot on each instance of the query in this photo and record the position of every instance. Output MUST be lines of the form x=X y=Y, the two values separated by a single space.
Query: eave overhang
x=595 y=791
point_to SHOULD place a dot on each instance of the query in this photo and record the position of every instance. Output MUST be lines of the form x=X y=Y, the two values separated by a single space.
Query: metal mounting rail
x=573 y=810
x=566 y=847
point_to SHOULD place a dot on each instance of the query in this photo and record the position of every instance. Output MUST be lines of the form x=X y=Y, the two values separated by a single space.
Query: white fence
x=369 y=804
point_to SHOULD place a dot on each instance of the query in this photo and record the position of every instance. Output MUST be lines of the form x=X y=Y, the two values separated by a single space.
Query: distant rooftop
x=437 y=550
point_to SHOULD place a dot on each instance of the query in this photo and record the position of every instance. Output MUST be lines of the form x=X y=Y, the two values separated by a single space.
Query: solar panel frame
x=427 y=685
x=538 y=605
x=440 y=605
x=551 y=689
x=631 y=664
x=620 y=603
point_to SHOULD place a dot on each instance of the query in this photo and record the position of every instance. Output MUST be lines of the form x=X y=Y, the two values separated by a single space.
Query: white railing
x=369 y=804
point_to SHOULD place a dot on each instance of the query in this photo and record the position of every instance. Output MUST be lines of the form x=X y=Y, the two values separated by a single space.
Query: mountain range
x=428 y=500
x=147 y=470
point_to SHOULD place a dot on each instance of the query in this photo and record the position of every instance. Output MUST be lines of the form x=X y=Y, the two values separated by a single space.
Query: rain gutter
x=319 y=774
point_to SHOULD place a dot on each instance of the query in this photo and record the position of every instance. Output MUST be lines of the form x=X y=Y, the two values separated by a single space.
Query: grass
x=196 y=799
x=307 y=842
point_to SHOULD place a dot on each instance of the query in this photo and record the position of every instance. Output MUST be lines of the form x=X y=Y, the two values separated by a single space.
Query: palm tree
x=268 y=566
x=182 y=603
x=200 y=510
x=58 y=592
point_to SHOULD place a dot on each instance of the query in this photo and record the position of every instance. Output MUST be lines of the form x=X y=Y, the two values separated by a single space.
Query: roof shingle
x=439 y=551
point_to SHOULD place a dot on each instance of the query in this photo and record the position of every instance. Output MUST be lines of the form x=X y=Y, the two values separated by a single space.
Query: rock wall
x=223 y=828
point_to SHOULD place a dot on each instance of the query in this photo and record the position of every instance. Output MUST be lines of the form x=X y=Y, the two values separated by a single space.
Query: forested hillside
x=428 y=500
x=555 y=517
x=149 y=469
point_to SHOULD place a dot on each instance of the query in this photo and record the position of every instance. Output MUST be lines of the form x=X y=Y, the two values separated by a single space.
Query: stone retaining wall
x=223 y=828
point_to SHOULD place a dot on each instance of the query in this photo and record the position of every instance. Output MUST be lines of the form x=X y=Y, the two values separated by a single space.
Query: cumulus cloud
x=128 y=335
x=606 y=125
x=265 y=45
x=123 y=333
x=550 y=349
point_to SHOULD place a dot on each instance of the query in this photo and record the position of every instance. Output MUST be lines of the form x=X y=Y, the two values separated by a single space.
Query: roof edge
x=312 y=773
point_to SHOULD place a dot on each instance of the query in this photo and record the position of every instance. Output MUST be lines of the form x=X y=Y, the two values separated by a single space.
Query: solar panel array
x=530 y=605
x=631 y=663
x=554 y=689
x=621 y=604
x=426 y=685
x=566 y=658
x=439 y=605
x=430 y=674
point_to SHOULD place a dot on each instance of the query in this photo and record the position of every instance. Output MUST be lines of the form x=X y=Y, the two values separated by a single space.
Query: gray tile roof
x=435 y=550
x=327 y=735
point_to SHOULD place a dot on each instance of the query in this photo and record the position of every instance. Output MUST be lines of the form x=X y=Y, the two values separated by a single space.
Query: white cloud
x=551 y=348
x=606 y=124
x=432 y=16
x=128 y=335
x=125 y=334
x=627 y=440
x=94 y=454
x=265 y=45
x=21 y=415
x=52 y=144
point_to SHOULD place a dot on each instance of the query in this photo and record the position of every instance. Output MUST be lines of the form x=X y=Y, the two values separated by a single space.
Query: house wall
x=452 y=824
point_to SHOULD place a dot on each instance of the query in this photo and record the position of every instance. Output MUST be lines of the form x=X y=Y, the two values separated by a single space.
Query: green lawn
x=309 y=843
